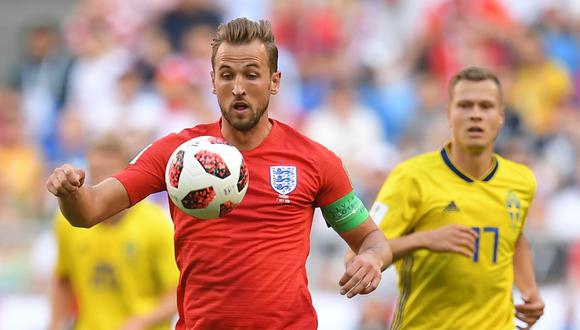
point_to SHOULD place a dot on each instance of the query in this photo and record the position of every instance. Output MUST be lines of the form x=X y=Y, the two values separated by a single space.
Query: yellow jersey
x=118 y=270
x=448 y=290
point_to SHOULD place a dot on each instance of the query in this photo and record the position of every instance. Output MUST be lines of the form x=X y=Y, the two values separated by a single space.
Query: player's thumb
x=525 y=297
x=75 y=176
x=80 y=176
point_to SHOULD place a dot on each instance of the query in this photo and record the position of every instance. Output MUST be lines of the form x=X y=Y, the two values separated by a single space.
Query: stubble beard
x=244 y=125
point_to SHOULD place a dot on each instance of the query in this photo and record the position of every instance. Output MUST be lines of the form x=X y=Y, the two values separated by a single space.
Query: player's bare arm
x=363 y=272
x=164 y=311
x=85 y=206
x=532 y=307
x=61 y=297
x=452 y=238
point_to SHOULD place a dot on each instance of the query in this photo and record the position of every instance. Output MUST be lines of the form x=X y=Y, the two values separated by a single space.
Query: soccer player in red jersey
x=247 y=269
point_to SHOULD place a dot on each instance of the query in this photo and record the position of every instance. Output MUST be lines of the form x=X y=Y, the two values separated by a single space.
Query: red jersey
x=247 y=270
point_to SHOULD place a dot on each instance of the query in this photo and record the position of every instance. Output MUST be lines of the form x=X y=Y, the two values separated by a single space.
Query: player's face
x=475 y=114
x=104 y=164
x=243 y=83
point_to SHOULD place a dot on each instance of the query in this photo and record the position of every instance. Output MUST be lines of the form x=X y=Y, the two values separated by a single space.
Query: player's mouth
x=240 y=106
x=475 y=130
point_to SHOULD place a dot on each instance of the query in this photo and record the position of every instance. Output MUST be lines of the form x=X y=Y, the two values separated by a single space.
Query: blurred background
x=366 y=78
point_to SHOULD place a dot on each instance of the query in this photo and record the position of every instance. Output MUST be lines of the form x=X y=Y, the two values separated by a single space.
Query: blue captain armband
x=346 y=213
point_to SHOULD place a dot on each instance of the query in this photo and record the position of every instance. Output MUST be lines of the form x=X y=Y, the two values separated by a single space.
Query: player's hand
x=531 y=310
x=65 y=180
x=362 y=275
x=452 y=238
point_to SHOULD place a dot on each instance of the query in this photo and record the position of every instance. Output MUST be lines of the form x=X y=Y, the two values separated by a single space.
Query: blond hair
x=474 y=73
x=242 y=31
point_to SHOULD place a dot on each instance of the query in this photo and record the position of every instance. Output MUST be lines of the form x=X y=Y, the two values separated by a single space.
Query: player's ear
x=502 y=114
x=275 y=82
x=212 y=74
x=448 y=113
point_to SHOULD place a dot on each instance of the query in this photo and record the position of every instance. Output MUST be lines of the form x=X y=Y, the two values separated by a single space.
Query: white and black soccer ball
x=206 y=177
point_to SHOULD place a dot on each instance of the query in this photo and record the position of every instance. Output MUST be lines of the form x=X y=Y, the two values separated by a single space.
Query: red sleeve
x=145 y=175
x=334 y=181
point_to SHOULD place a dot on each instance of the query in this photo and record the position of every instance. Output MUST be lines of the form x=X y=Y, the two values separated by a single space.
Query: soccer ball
x=206 y=177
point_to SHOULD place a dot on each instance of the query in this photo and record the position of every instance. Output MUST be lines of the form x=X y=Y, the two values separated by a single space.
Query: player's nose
x=238 y=88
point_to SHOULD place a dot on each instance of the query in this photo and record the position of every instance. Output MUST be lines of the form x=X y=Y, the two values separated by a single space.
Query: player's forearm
x=78 y=207
x=524 y=276
x=164 y=312
x=376 y=244
x=61 y=303
x=405 y=245
x=90 y=205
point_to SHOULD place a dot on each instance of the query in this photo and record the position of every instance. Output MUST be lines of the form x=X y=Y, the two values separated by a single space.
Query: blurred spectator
x=152 y=47
x=459 y=33
x=353 y=132
x=386 y=33
x=540 y=87
x=187 y=14
x=428 y=129
x=375 y=315
x=560 y=35
x=513 y=127
x=394 y=101
x=196 y=51
x=41 y=77
x=559 y=39
x=562 y=212
x=288 y=105
x=185 y=102
x=21 y=165
x=252 y=9
x=89 y=13
x=317 y=40
x=573 y=295
x=124 y=18
x=140 y=111
x=94 y=78
x=71 y=140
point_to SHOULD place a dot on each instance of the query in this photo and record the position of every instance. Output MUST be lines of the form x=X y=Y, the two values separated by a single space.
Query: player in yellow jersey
x=455 y=220
x=121 y=274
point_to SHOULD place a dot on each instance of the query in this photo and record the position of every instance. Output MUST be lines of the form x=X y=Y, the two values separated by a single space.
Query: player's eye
x=464 y=105
x=486 y=105
x=227 y=75
x=252 y=76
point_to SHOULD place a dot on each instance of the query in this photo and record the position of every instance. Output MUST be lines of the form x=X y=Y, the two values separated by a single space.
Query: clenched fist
x=65 y=180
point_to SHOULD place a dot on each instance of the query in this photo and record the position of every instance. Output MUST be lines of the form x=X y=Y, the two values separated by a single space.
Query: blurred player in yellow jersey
x=120 y=274
x=455 y=220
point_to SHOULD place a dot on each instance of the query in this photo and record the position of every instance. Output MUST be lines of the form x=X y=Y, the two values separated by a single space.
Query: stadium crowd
x=365 y=78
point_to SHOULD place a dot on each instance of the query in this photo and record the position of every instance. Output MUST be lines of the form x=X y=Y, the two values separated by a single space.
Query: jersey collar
x=466 y=177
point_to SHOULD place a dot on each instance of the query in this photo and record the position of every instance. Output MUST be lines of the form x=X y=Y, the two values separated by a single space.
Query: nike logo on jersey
x=451 y=207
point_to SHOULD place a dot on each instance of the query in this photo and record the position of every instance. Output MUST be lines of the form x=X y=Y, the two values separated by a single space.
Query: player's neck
x=247 y=140
x=475 y=163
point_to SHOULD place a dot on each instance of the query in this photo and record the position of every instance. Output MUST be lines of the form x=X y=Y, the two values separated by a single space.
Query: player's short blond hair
x=111 y=144
x=474 y=73
x=242 y=31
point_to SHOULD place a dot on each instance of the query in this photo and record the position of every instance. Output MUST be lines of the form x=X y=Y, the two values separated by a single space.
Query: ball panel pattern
x=243 y=179
x=198 y=199
x=176 y=169
x=227 y=207
x=215 y=140
x=213 y=164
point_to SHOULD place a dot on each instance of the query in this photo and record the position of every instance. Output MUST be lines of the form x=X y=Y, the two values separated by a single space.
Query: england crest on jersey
x=283 y=179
